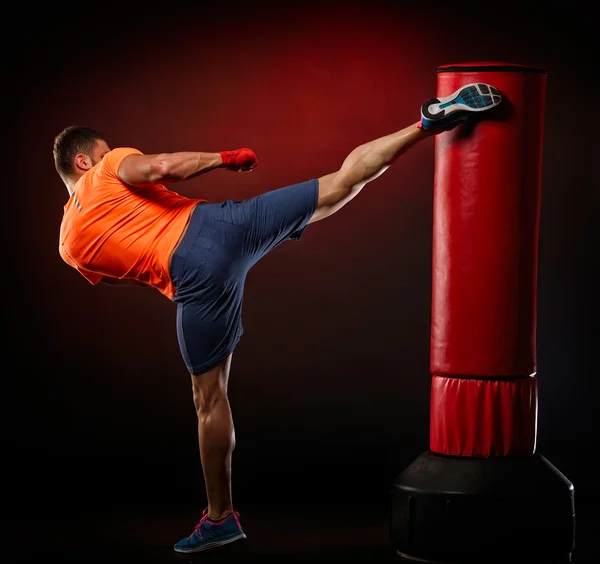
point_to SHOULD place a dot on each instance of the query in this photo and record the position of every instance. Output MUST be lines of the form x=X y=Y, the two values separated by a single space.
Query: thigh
x=206 y=384
x=209 y=277
x=208 y=330
x=273 y=217
x=210 y=257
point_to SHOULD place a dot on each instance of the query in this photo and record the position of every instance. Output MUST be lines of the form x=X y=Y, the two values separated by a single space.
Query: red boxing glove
x=240 y=160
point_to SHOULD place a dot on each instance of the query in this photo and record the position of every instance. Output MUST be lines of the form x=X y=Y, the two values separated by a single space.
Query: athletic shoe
x=466 y=104
x=211 y=534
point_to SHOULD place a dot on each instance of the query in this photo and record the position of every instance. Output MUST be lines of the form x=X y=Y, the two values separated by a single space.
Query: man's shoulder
x=121 y=152
x=113 y=158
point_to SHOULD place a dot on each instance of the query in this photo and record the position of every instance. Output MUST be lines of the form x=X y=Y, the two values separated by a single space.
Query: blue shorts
x=209 y=266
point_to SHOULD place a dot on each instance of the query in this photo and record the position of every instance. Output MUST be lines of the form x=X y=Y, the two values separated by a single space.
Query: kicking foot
x=466 y=104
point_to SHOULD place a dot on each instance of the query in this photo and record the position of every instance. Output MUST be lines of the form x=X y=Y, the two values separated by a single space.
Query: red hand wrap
x=239 y=160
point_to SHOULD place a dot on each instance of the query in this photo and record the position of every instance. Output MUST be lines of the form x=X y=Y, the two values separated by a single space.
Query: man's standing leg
x=216 y=439
x=216 y=436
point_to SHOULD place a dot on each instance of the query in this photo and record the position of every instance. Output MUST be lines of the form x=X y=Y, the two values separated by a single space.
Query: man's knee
x=210 y=387
x=331 y=190
x=206 y=402
x=335 y=190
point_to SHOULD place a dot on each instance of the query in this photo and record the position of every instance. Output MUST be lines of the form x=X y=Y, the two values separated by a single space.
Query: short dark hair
x=71 y=141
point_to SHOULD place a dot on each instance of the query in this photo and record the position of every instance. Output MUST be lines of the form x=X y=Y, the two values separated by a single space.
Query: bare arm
x=165 y=168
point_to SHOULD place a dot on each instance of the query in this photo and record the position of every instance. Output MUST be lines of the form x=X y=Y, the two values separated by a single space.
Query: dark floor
x=290 y=533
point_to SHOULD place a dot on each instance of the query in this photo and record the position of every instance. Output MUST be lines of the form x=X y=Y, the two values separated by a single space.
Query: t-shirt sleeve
x=91 y=277
x=112 y=160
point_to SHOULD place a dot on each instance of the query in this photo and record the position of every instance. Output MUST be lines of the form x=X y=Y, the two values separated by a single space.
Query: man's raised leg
x=364 y=164
x=370 y=160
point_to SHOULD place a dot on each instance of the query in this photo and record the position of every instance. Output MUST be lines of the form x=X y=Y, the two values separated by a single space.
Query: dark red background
x=330 y=384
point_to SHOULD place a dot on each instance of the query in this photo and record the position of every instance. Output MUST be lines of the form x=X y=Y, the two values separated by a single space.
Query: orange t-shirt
x=112 y=229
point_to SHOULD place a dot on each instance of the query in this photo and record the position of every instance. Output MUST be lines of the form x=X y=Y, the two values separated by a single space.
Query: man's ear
x=83 y=162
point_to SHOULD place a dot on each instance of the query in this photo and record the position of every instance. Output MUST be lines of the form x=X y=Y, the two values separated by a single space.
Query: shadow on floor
x=289 y=535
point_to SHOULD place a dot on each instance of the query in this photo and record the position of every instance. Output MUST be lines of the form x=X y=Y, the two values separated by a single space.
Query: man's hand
x=240 y=160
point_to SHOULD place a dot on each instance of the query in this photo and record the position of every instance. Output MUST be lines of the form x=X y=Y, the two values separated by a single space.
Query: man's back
x=114 y=230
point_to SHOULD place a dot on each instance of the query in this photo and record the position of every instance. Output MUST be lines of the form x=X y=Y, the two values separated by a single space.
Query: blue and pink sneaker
x=211 y=534
x=466 y=104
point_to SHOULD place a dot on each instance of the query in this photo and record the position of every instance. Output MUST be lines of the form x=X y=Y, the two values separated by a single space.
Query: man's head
x=76 y=150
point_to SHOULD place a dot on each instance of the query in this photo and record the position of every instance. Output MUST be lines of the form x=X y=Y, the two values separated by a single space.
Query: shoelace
x=199 y=525
x=197 y=528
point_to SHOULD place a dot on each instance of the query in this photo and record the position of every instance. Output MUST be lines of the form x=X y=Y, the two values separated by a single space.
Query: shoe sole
x=211 y=545
x=476 y=97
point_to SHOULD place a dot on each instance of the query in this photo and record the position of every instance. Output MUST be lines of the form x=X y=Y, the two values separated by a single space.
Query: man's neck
x=70 y=184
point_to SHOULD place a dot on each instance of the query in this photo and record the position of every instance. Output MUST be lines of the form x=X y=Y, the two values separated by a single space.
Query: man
x=122 y=225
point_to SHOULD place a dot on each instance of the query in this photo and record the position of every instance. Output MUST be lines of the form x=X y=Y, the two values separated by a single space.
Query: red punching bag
x=485 y=233
x=481 y=487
